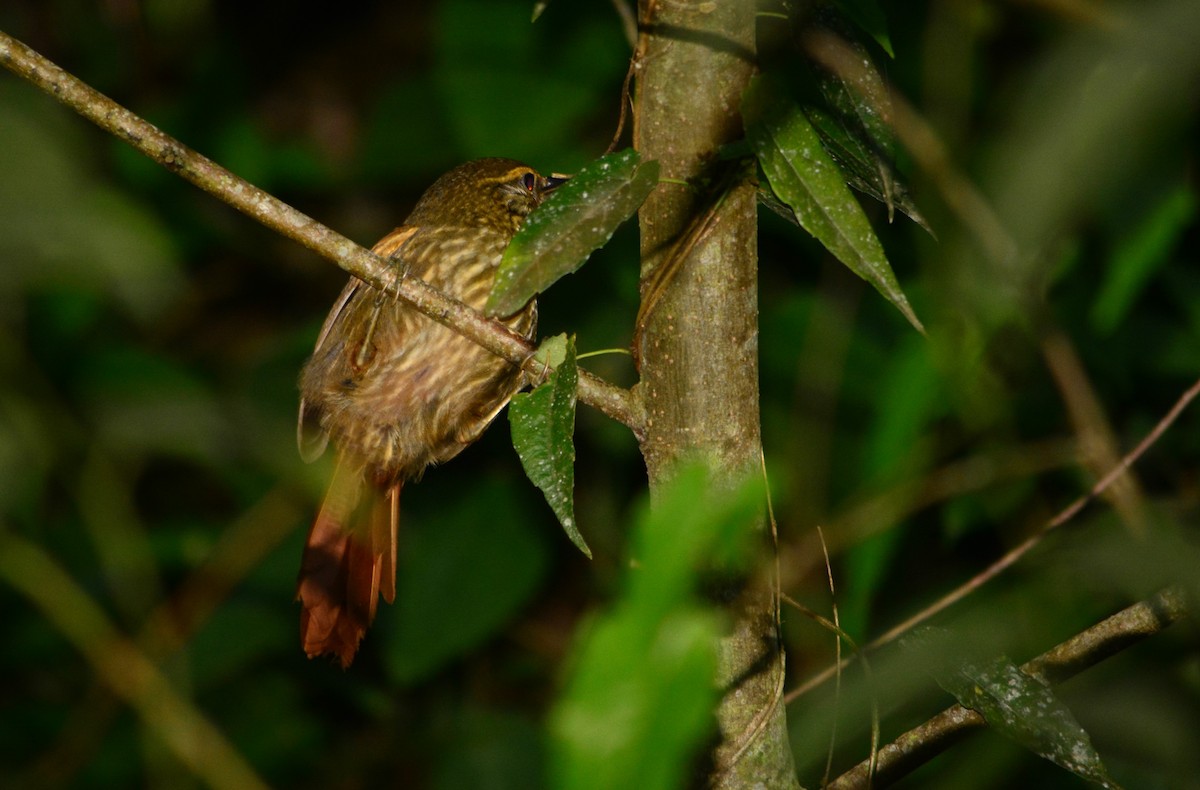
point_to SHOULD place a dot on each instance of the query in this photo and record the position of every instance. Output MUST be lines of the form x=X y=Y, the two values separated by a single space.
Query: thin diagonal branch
x=1063 y=517
x=1107 y=638
x=620 y=404
x=1015 y=554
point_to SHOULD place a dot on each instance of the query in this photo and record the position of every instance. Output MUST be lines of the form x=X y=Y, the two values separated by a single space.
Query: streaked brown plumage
x=396 y=391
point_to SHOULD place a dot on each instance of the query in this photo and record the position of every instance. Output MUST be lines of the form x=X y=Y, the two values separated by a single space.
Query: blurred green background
x=150 y=339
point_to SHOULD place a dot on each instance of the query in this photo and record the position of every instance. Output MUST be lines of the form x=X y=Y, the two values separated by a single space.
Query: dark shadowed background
x=150 y=339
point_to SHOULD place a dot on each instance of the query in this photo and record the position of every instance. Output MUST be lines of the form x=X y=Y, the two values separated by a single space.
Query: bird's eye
x=529 y=181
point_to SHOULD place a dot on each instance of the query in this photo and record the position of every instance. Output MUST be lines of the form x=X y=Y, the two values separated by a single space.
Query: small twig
x=1002 y=564
x=1129 y=460
x=929 y=152
x=645 y=12
x=866 y=673
x=1124 y=629
x=777 y=586
x=602 y=351
x=841 y=635
x=837 y=658
x=626 y=103
x=620 y=404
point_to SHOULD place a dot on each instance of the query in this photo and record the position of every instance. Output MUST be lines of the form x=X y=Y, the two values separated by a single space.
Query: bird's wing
x=310 y=437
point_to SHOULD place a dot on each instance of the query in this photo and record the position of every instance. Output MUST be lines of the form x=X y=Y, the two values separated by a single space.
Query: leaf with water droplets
x=543 y=433
x=552 y=351
x=865 y=167
x=856 y=123
x=577 y=218
x=1027 y=711
x=804 y=177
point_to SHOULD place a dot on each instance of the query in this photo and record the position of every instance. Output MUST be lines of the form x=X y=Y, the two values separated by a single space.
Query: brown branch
x=1107 y=638
x=620 y=404
x=1009 y=559
x=872 y=516
x=1063 y=517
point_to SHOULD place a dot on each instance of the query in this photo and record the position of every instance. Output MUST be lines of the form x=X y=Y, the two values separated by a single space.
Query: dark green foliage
x=1025 y=710
x=578 y=218
x=640 y=694
x=801 y=174
x=456 y=587
x=543 y=434
x=150 y=339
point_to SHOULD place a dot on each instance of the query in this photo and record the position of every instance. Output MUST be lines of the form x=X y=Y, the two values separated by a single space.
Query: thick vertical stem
x=698 y=332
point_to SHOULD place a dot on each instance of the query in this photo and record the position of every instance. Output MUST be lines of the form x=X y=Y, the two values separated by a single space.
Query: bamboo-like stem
x=696 y=339
x=620 y=404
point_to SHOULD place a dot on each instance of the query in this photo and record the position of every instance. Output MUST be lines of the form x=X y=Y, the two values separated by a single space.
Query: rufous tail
x=349 y=561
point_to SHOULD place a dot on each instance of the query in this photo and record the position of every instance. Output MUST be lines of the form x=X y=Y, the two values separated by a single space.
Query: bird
x=394 y=391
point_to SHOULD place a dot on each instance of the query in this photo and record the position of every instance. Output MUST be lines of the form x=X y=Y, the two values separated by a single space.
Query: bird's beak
x=554 y=181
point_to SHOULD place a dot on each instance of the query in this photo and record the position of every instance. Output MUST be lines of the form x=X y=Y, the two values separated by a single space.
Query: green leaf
x=638 y=703
x=543 y=434
x=802 y=175
x=639 y=699
x=846 y=99
x=1027 y=711
x=694 y=519
x=553 y=350
x=462 y=575
x=1145 y=249
x=578 y=218
x=855 y=91
x=865 y=168
x=857 y=128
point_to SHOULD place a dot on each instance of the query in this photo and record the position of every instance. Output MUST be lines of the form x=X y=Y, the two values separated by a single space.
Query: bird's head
x=494 y=193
